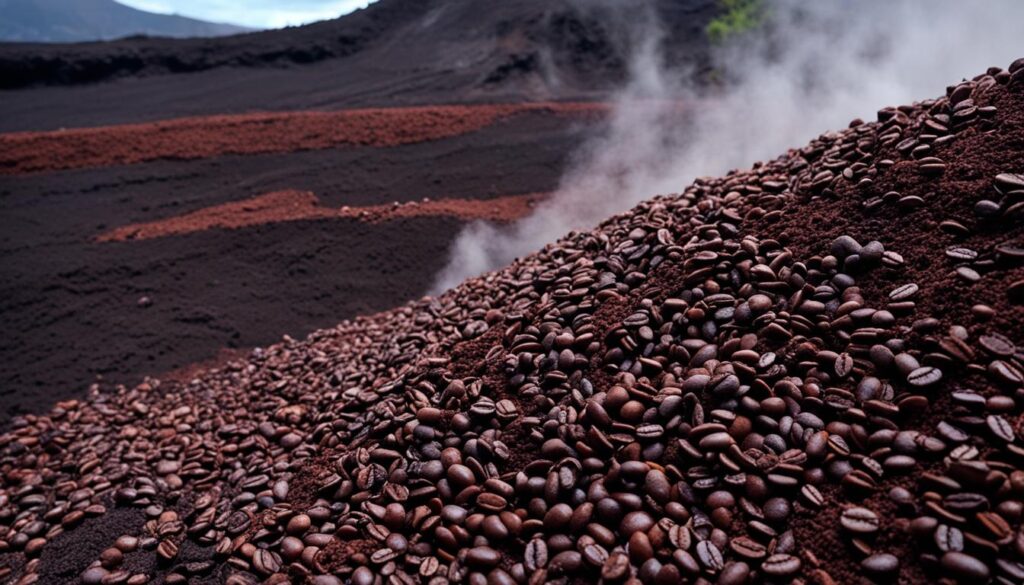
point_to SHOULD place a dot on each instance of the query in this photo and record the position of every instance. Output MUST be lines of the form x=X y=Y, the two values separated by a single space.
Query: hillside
x=809 y=371
x=70 y=21
x=559 y=47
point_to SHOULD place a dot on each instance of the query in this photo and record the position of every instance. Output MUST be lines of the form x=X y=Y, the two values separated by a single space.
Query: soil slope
x=808 y=371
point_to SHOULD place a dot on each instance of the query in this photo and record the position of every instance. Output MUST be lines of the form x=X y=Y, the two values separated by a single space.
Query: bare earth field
x=134 y=250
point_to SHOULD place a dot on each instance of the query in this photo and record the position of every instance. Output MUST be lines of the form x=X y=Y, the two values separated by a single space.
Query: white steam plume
x=814 y=67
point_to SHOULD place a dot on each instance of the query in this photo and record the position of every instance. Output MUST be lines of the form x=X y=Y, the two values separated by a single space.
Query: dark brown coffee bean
x=881 y=565
x=461 y=475
x=1007 y=182
x=483 y=557
x=709 y=556
x=536 y=554
x=680 y=537
x=781 y=565
x=964 y=566
x=363 y=576
x=94 y=576
x=167 y=550
x=1000 y=428
x=904 y=292
x=748 y=548
x=997 y=345
x=298 y=525
x=566 y=563
x=924 y=376
x=960 y=253
x=859 y=520
x=949 y=538
x=636 y=522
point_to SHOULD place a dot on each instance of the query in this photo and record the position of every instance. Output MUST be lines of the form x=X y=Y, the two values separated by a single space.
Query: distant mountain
x=66 y=21
x=543 y=48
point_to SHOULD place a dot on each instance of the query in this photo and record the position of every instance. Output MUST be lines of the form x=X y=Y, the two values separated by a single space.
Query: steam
x=813 y=67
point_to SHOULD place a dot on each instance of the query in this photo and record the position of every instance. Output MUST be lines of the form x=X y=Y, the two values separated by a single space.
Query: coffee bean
x=636 y=522
x=781 y=565
x=94 y=576
x=1000 y=428
x=904 y=292
x=483 y=557
x=960 y=253
x=461 y=475
x=997 y=345
x=363 y=576
x=859 y=520
x=298 y=525
x=949 y=538
x=1007 y=182
x=566 y=563
x=811 y=496
x=881 y=565
x=1015 y=292
x=924 y=376
x=709 y=556
x=748 y=548
x=536 y=554
x=964 y=566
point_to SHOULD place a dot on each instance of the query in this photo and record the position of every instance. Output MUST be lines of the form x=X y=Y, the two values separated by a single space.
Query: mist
x=810 y=68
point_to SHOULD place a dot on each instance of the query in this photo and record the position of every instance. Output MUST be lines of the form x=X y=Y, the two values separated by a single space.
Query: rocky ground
x=808 y=371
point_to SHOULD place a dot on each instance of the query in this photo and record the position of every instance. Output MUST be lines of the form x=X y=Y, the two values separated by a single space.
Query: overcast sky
x=252 y=13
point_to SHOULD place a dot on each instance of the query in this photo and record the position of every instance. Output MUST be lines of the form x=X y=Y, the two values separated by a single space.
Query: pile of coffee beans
x=808 y=372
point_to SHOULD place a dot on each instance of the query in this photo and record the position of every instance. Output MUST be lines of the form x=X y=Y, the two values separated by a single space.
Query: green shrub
x=737 y=17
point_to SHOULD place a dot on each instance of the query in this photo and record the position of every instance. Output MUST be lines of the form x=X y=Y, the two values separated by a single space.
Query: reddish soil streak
x=208 y=136
x=280 y=206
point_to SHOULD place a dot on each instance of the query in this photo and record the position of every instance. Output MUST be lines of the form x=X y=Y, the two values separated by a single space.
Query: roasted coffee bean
x=881 y=565
x=483 y=557
x=859 y=520
x=536 y=554
x=748 y=548
x=949 y=538
x=781 y=565
x=924 y=376
x=964 y=566
x=709 y=556
x=904 y=292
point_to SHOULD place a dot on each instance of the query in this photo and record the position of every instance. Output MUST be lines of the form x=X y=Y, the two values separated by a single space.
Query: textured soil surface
x=194 y=138
x=810 y=371
x=70 y=304
x=281 y=206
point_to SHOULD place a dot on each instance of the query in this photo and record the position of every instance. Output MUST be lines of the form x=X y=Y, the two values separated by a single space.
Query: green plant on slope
x=737 y=17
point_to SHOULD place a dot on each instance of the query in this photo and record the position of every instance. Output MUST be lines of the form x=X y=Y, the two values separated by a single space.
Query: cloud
x=253 y=13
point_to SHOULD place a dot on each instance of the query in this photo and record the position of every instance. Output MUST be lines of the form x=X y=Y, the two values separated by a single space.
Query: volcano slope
x=803 y=372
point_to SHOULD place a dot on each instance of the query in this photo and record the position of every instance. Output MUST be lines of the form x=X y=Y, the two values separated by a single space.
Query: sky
x=252 y=13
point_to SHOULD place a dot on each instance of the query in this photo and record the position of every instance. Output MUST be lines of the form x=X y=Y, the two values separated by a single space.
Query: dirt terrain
x=808 y=371
x=76 y=307
x=359 y=112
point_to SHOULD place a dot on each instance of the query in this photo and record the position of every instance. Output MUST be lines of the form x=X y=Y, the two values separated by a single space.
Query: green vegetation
x=737 y=17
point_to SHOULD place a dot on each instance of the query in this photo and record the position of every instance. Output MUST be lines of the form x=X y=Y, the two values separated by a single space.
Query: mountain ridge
x=63 y=21
x=551 y=44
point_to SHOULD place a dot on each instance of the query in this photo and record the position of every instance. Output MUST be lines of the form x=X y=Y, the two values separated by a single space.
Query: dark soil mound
x=806 y=371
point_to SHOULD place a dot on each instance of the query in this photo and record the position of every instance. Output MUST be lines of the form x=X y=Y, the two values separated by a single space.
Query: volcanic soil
x=86 y=291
